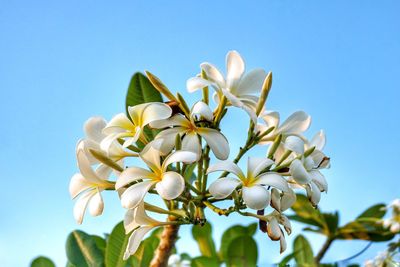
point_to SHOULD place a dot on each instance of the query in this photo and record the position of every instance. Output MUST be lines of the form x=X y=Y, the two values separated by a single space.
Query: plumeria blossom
x=239 y=89
x=131 y=129
x=254 y=194
x=191 y=132
x=393 y=223
x=169 y=184
x=275 y=232
x=140 y=223
x=88 y=185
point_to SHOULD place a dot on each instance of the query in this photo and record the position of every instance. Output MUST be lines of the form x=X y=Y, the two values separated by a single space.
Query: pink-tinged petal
x=273 y=179
x=93 y=128
x=319 y=179
x=195 y=83
x=228 y=166
x=313 y=193
x=256 y=197
x=213 y=74
x=129 y=221
x=234 y=69
x=273 y=229
x=217 y=142
x=295 y=144
x=252 y=82
x=96 y=204
x=299 y=173
x=179 y=156
x=176 y=120
x=201 y=109
x=190 y=142
x=257 y=165
x=118 y=124
x=135 y=239
x=223 y=187
x=81 y=204
x=134 y=194
x=145 y=113
x=77 y=185
x=296 y=123
x=171 y=186
x=132 y=174
x=318 y=140
x=86 y=169
x=287 y=200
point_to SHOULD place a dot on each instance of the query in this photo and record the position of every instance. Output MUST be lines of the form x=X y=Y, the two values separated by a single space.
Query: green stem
x=324 y=249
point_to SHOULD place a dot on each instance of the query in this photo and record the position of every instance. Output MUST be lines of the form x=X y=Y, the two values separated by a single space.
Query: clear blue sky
x=62 y=62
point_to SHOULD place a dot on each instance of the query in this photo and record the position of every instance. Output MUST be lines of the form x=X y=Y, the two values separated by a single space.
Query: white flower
x=169 y=184
x=88 y=184
x=192 y=133
x=138 y=221
x=131 y=130
x=393 y=223
x=253 y=192
x=176 y=261
x=295 y=124
x=238 y=89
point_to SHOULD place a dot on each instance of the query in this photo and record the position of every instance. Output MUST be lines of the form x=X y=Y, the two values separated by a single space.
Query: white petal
x=142 y=218
x=309 y=163
x=256 y=165
x=96 y=204
x=283 y=244
x=213 y=74
x=78 y=184
x=271 y=118
x=176 y=120
x=135 y=194
x=190 y=142
x=118 y=123
x=273 y=229
x=295 y=144
x=171 y=186
x=103 y=171
x=228 y=166
x=132 y=174
x=179 y=156
x=217 y=142
x=168 y=137
x=151 y=155
x=287 y=200
x=234 y=69
x=201 y=109
x=296 y=123
x=81 y=204
x=318 y=140
x=145 y=113
x=252 y=82
x=256 y=197
x=93 y=128
x=274 y=180
x=129 y=221
x=135 y=239
x=86 y=169
x=223 y=187
x=276 y=199
x=196 y=83
x=251 y=112
x=298 y=172
x=313 y=193
x=319 y=179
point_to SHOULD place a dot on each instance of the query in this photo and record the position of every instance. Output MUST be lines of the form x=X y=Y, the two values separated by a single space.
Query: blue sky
x=62 y=62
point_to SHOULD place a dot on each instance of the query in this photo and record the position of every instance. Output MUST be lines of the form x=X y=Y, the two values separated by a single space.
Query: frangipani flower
x=88 y=184
x=192 y=133
x=169 y=184
x=253 y=191
x=140 y=223
x=238 y=89
x=131 y=130
x=295 y=124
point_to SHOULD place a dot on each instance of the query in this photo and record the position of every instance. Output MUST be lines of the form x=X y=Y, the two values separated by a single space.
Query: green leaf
x=285 y=261
x=203 y=261
x=141 y=91
x=203 y=236
x=145 y=252
x=242 y=252
x=365 y=230
x=332 y=222
x=376 y=211
x=82 y=250
x=100 y=243
x=306 y=213
x=233 y=232
x=42 y=261
x=304 y=255
x=116 y=244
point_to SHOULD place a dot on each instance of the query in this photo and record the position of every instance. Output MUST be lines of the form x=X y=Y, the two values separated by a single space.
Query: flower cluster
x=180 y=157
